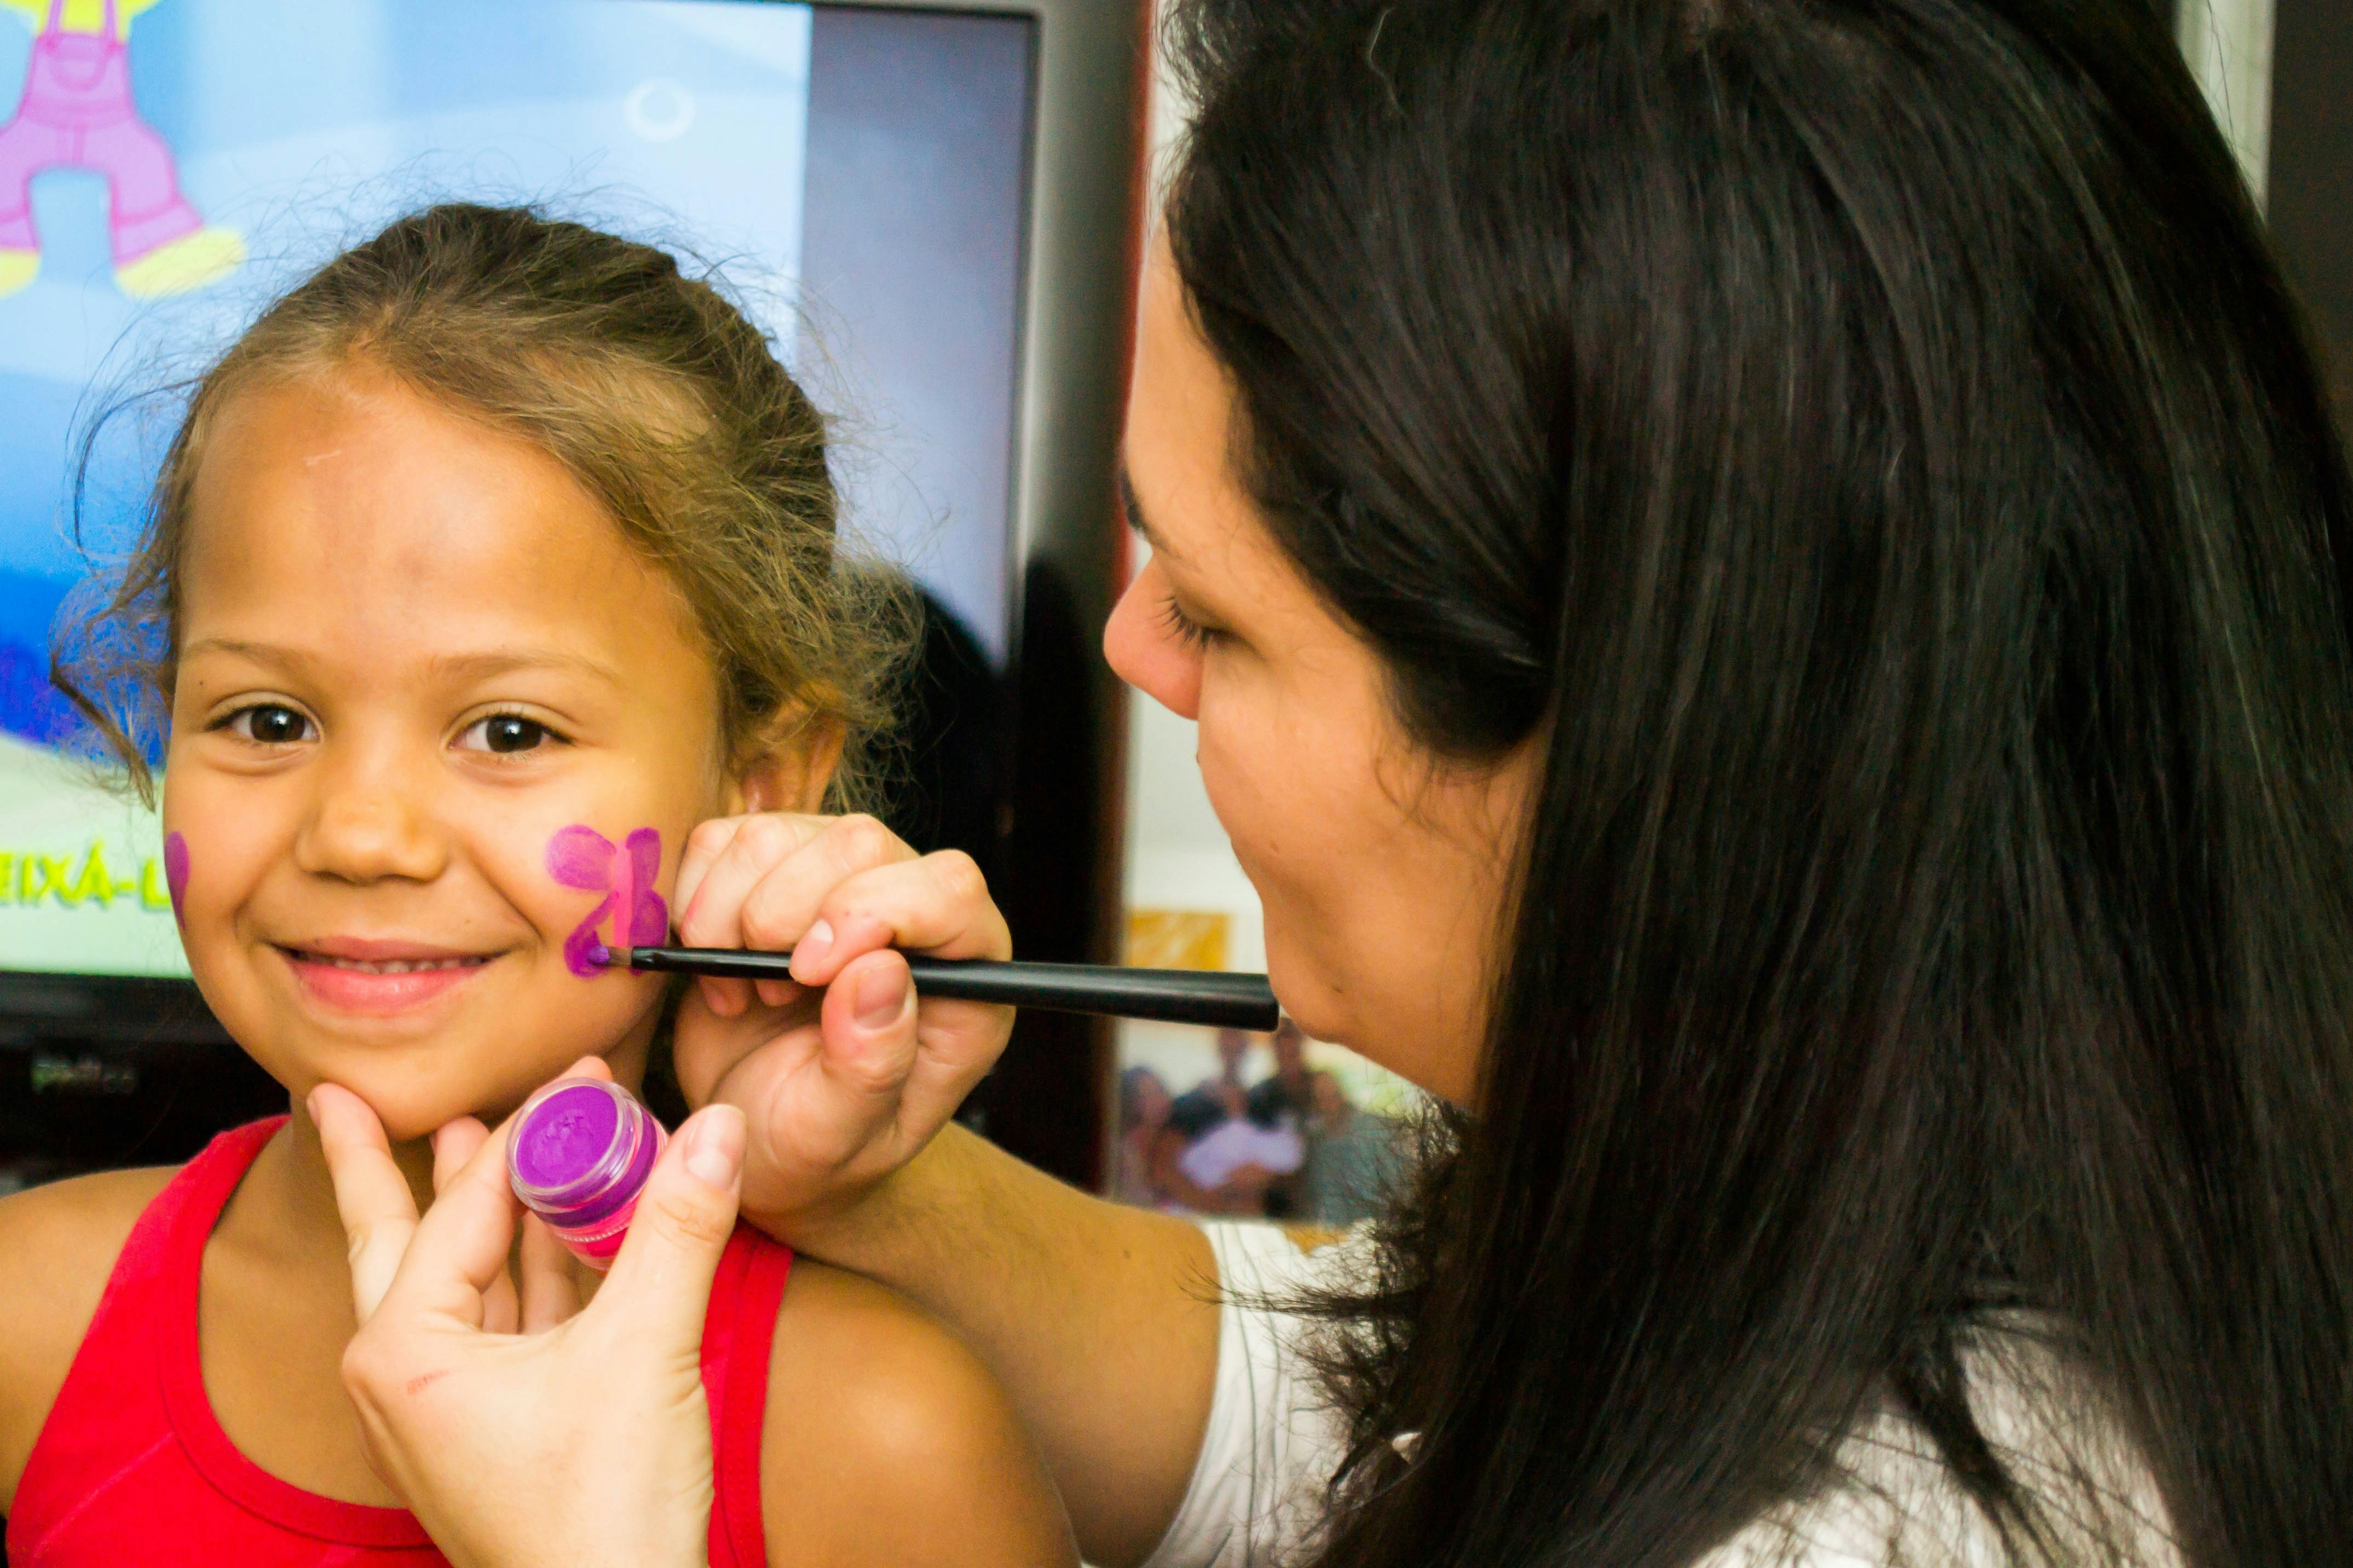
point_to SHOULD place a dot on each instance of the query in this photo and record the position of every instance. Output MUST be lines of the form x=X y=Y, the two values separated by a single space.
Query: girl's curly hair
x=652 y=389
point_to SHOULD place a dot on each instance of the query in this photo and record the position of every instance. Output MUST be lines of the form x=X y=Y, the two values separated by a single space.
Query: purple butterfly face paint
x=583 y=857
x=175 y=876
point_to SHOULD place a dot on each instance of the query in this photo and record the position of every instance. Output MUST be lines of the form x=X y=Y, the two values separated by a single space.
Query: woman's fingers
x=778 y=909
x=662 y=1279
x=454 y=1146
x=838 y=1100
x=768 y=881
x=869 y=1023
x=763 y=889
x=549 y=1294
x=713 y=842
x=843 y=1086
x=724 y=859
x=937 y=904
x=916 y=1061
x=613 y=1390
x=453 y=1262
x=378 y=1211
x=458 y=1256
x=821 y=851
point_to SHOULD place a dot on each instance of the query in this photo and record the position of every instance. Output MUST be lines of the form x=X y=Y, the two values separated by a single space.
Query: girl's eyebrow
x=507 y=661
x=238 y=648
x=477 y=665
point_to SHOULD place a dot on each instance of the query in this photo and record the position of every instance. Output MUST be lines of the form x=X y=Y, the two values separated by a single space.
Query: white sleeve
x=1272 y=1443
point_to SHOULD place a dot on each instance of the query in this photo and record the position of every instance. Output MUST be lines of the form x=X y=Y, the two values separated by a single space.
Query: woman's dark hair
x=1866 y=449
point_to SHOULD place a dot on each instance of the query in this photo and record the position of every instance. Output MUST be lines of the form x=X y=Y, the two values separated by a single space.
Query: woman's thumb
x=661 y=1279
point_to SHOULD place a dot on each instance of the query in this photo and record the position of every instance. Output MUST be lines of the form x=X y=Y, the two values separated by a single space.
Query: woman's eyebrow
x=1135 y=518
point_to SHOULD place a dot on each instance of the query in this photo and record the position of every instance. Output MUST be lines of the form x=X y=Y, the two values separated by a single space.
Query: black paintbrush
x=1168 y=995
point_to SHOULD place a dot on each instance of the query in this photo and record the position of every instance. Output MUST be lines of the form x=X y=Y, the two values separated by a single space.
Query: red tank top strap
x=739 y=1335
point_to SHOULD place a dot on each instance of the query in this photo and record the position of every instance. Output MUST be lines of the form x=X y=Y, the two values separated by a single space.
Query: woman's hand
x=1098 y=1320
x=843 y=1087
x=521 y=1429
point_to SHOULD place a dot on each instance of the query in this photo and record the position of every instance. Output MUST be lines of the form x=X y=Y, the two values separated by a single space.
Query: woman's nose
x=1138 y=645
x=368 y=824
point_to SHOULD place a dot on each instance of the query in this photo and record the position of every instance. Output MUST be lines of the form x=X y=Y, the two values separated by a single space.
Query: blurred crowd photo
x=1264 y=1127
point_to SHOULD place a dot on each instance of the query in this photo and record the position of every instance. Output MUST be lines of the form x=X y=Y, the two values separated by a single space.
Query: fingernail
x=815 y=944
x=881 y=996
x=716 y=1147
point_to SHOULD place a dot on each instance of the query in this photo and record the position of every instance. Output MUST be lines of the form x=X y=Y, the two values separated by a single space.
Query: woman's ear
x=790 y=767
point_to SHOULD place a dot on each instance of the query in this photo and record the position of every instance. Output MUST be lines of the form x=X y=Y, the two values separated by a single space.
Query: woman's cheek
x=1254 y=820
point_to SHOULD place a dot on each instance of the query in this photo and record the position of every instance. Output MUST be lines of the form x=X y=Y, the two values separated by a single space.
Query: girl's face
x=1383 y=870
x=412 y=652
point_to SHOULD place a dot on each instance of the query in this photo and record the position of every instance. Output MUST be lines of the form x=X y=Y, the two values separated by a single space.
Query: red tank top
x=132 y=1467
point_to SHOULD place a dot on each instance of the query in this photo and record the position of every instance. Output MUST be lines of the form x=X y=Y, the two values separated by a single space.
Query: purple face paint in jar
x=582 y=1152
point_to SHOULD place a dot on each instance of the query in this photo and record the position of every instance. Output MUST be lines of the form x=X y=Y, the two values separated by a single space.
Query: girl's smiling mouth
x=360 y=975
x=388 y=966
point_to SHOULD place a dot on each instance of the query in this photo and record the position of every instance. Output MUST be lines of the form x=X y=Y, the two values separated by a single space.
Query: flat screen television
x=933 y=211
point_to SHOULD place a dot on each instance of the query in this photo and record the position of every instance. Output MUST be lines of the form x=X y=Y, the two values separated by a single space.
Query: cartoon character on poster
x=78 y=111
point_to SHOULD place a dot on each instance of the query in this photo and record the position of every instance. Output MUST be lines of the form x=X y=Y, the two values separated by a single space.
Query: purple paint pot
x=582 y=1152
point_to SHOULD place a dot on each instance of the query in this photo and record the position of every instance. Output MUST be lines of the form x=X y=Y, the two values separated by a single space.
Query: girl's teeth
x=400 y=965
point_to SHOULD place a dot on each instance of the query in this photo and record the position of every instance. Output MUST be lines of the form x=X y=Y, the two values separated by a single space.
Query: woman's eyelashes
x=1184 y=627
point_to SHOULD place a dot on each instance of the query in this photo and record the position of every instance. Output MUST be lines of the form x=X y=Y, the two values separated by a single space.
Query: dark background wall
x=2312 y=171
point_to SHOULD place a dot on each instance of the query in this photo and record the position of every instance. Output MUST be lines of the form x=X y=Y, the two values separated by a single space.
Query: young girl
x=496 y=534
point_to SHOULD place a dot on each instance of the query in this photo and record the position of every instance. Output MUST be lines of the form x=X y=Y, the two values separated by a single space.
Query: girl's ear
x=790 y=766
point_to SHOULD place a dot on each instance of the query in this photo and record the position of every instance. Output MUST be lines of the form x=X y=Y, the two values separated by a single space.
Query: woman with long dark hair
x=1763 y=582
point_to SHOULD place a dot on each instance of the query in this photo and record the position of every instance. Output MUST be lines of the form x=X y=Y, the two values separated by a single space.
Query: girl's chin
x=414 y=1093
x=412 y=1113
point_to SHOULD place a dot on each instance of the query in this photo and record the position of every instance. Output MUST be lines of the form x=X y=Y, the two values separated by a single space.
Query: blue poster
x=169 y=166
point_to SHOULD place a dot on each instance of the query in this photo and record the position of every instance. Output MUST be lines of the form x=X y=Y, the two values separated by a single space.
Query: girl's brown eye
x=271 y=724
x=504 y=734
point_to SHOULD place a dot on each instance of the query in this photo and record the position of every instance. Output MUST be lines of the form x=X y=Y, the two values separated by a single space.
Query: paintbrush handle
x=1166 y=995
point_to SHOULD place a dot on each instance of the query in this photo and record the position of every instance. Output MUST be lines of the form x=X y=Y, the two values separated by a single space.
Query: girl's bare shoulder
x=886 y=1441
x=58 y=1246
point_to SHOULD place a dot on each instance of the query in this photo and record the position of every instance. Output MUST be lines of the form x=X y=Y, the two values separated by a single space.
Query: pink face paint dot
x=175 y=874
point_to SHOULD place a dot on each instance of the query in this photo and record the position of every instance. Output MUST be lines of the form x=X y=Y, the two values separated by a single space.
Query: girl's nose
x=366 y=829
